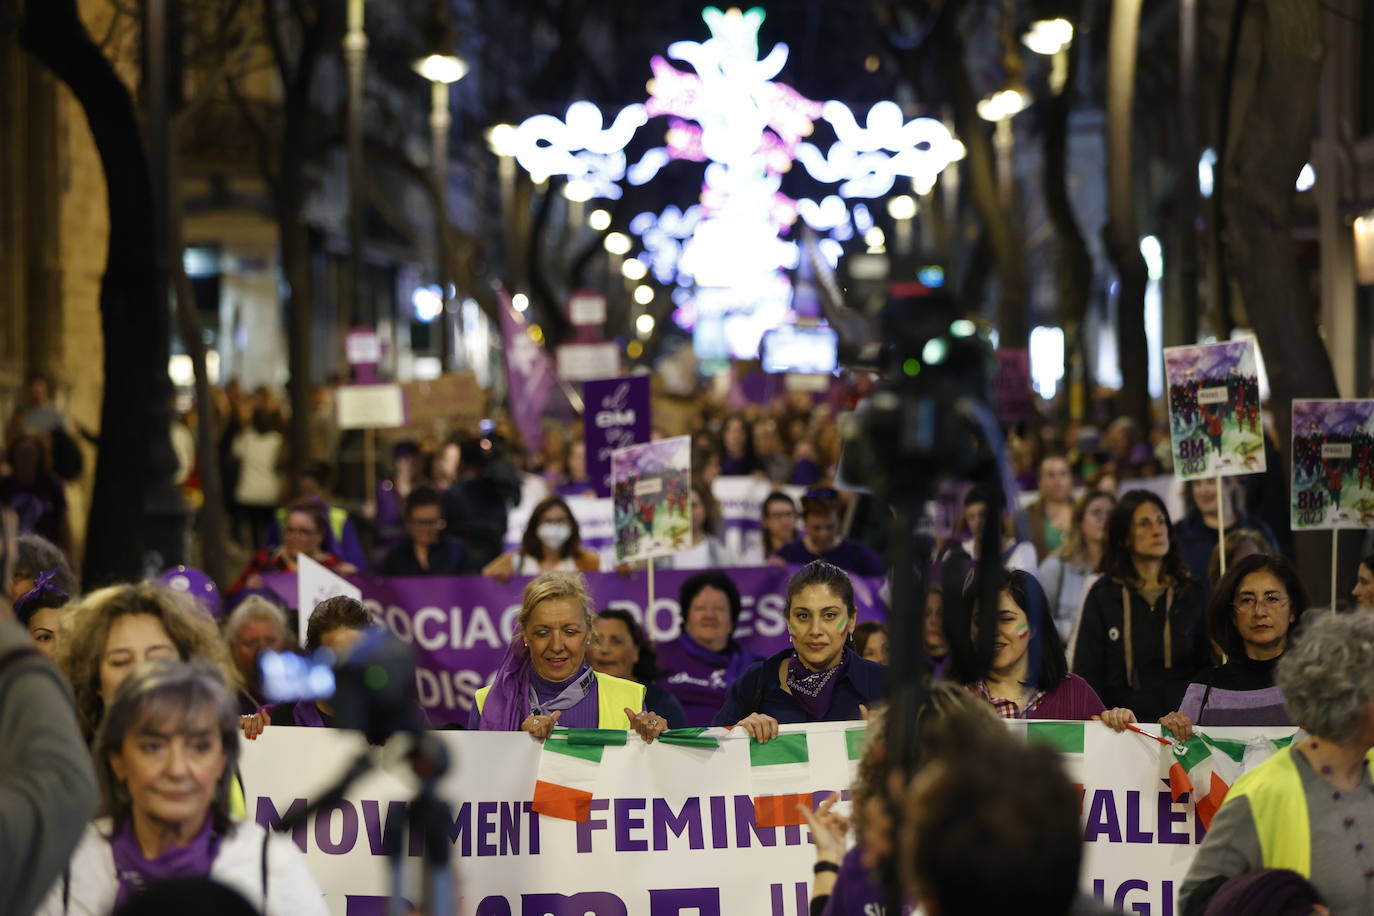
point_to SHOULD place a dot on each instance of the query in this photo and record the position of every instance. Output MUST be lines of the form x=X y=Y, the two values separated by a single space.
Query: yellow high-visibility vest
x=1279 y=808
x=613 y=696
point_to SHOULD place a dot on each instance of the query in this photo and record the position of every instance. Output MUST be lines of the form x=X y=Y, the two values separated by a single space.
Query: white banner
x=674 y=829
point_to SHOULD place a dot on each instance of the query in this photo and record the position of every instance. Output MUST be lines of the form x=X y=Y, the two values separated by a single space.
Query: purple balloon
x=196 y=583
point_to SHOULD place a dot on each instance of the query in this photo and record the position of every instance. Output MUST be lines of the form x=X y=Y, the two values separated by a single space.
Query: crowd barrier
x=678 y=829
x=460 y=625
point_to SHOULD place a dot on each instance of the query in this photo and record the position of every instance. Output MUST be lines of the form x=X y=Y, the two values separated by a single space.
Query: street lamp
x=442 y=67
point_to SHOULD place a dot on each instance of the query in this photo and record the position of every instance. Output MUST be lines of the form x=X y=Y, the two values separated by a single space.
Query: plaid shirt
x=1005 y=708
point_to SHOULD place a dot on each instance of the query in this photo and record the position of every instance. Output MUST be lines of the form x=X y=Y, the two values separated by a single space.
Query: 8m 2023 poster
x=1333 y=464
x=652 y=495
x=1214 y=409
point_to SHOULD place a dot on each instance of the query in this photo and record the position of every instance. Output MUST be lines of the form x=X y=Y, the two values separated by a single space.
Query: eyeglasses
x=1273 y=601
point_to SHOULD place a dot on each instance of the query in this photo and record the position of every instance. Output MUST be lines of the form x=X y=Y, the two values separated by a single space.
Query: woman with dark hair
x=1240 y=543
x=871 y=641
x=39 y=610
x=979 y=511
x=307 y=523
x=337 y=624
x=35 y=493
x=704 y=548
x=1196 y=532
x=821 y=538
x=702 y=663
x=625 y=651
x=1363 y=592
x=1142 y=635
x=737 y=448
x=552 y=541
x=165 y=756
x=820 y=678
x=779 y=523
x=1028 y=677
x=1253 y=611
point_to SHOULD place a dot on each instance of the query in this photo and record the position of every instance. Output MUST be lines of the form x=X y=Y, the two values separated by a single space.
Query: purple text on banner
x=460 y=625
x=616 y=415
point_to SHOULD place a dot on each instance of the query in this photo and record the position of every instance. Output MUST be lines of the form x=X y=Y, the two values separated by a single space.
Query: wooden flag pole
x=1334 y=532
x=1221 y=522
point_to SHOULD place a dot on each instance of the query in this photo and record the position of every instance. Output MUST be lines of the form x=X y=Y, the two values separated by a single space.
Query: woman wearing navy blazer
x=820 y=678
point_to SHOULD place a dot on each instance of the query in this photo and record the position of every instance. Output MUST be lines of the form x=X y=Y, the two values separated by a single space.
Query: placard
x=581 y=362
x=675 y=830
x=1333 y=464
x=370 y=406
x=615 y=415
x=651 y=491
x=1214 y=409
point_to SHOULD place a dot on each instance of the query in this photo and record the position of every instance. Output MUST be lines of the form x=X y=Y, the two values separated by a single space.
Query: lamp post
x=442 y=67
x=355 y=57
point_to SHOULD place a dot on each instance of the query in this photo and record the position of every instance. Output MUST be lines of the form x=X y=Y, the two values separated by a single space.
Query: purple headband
x=44 y=586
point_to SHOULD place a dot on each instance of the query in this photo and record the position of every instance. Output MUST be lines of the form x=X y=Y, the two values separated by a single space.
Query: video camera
x=372 y=689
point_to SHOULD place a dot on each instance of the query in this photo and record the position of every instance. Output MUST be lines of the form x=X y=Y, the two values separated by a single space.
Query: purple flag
x=616 y=415
x=529 y=375
x=460 y=625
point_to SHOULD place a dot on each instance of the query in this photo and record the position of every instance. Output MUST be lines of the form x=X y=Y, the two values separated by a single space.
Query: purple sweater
x=1073 y=698
x=855 y=893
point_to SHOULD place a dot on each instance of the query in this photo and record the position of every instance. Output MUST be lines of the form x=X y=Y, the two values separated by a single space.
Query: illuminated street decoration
x=728 y=253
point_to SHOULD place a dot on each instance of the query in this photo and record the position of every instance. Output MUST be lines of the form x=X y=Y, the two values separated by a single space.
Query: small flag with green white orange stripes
x=781 y=764
x=1207 y=767
x=568 y=769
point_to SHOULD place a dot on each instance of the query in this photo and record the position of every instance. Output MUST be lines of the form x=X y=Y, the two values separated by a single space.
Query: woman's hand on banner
x=760 y=727
x=1179 y=725
x=648 y=725
x=541 y=726
x=1116 y=719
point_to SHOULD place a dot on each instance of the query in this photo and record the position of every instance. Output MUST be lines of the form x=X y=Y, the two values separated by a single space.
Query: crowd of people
x=1108 y=608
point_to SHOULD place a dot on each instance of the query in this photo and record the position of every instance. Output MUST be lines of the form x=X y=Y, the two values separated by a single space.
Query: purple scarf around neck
x=136 y=873
x=813 y=690
x=306 y=713
x=734 y=659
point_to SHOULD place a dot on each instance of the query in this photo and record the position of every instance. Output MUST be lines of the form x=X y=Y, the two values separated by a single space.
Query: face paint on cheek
x=1023 y=631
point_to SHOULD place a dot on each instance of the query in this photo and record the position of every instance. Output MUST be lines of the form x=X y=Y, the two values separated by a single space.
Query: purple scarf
x=813 y=690
x=306 y=713
x=735 y=660
x=136 y=873
x=508 y=699
x=570 y=696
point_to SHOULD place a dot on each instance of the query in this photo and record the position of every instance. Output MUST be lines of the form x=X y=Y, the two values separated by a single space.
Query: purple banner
x=529 y=375
x=460 y=625
x=616 y=415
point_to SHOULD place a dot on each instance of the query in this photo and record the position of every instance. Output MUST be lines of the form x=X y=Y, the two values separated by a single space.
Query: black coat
x=1100 y=658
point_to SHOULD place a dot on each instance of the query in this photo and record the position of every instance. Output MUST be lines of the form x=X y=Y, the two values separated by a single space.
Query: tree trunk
x=134 y=407
x=1000 y=228
x=1120 y=231
x=1273 y=114
x=1073 y=263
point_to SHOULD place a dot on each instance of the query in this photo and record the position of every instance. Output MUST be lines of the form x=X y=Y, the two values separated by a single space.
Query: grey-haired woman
x=165 y=756
x=1310 y=807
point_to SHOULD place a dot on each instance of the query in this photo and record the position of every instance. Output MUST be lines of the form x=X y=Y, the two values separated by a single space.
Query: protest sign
x=1012 y=387
x=370 y=406
x=459 y=625
x=579 y=362
x=675 y=829
x=652 y=489
x=454 y=399
x=1214 y=418
x=315 y=583
x=529 y=375
x=1333 y=464
x=616 y=415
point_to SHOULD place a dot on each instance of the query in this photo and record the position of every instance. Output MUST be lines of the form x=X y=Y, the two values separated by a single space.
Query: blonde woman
x=545 y=679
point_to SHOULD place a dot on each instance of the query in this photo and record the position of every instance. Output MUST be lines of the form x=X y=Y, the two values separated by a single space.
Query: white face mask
x=554 y=534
